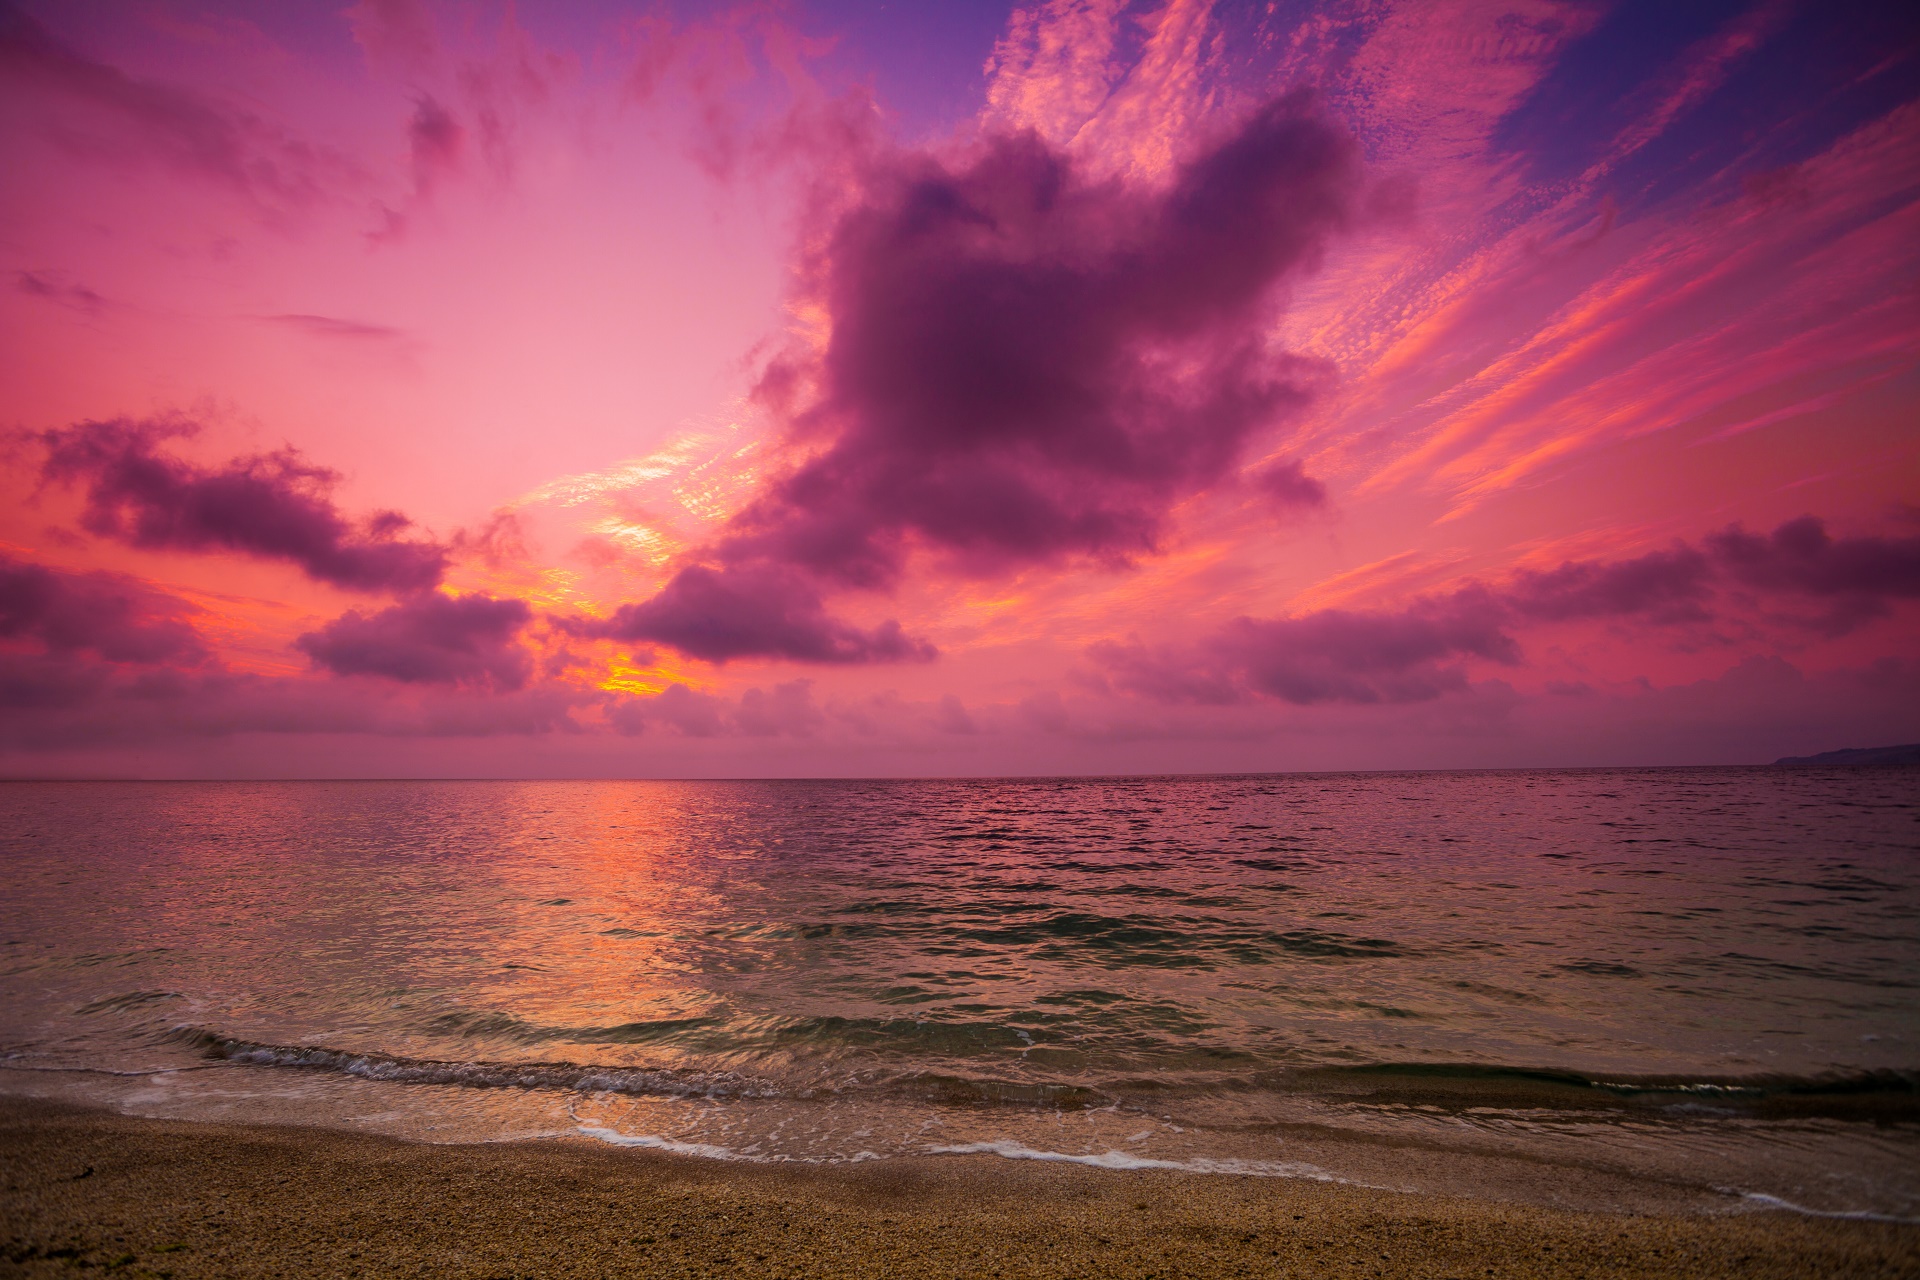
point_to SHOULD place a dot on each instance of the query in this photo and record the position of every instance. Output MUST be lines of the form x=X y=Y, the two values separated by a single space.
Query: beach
x=86 y=1188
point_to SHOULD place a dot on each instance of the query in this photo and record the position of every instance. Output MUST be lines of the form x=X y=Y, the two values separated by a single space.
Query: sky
x=420 y=389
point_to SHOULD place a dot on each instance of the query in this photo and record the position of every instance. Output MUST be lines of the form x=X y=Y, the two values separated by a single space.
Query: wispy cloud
x=334 y=327
x=58 y=288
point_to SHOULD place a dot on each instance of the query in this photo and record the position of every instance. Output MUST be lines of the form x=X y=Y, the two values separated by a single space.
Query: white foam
x=1111 y=1159
x=1108 y=1159
x=1854 y=1215
x=657 y=1143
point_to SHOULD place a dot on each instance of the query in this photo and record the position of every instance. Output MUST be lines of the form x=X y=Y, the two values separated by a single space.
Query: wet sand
x=87 y=1189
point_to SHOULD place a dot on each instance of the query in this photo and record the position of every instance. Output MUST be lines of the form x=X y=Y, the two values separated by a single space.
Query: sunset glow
x=814 y=389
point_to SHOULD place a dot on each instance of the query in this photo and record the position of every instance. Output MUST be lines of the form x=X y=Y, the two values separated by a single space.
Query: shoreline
x=90 y=1187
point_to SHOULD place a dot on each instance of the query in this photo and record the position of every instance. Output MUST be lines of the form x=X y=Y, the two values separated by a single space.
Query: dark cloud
x=1026 y=365
x=56 y=701
x=1341 y=656
x=1414 y=654
x=429 y=639
x=1668 y=586
x=1853 y=579
x=49 y=682
x=1334 y=655
x=65 y=638
x=276 y=506
x=116 y=617
x=753 y=611
x=1801 y=556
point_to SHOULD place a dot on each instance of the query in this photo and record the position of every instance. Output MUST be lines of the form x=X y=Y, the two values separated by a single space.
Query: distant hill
x=1909 y=754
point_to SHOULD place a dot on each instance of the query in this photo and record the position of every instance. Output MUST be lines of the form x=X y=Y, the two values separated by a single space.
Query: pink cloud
x=395 y=33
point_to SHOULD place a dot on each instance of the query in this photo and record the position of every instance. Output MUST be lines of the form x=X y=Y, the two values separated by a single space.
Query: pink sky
x=415 y=389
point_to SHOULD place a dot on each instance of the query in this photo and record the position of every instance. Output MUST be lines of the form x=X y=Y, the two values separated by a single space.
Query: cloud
x=752 y=611
x=333 y=327
x=1859 y=576
x=430 y=638
x=275 y=506
x=954 y=718
x=120 y=118
x=698 y=715
x=48 y=682
x=66 y=637
x=786 y=710
x=1669 y=586
x=1802 y=556
x=1026 y=365
x=436 y=141
x=1337 y=655
x=103 y=658
x=394 y=33
x=1165 y=674
x=1290 y=486
x=58 y=703
x=53 y=287
x=1332 y=655
x=1416 y=653
x=118 y=618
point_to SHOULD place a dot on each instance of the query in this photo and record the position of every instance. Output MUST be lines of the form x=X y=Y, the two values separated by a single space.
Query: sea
x=1675 y=989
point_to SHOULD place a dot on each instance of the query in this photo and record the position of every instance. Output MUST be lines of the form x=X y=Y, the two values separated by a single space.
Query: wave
x=1875 y=1096
x=639 y=1081
x=1141 y=1031
x=393 y=1068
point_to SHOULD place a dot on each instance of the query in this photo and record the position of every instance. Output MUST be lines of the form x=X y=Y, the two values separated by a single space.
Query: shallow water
x=1658 y=986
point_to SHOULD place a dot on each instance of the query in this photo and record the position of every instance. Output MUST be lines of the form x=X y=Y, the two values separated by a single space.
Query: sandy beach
x=88 y=1188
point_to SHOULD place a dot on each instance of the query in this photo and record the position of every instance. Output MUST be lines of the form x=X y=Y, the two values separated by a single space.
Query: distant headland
x=1909 y=754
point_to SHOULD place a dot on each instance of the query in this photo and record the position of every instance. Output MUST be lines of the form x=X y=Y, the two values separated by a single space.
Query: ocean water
x=1684 y=988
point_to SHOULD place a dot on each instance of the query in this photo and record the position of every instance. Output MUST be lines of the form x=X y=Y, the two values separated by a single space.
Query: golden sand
x=91 y=1189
